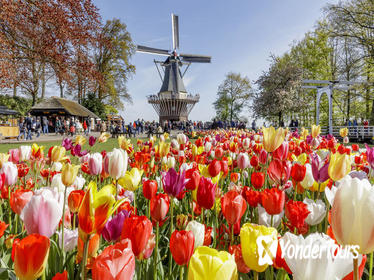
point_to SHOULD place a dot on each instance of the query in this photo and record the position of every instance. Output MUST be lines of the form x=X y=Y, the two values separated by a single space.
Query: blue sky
x=239 y=35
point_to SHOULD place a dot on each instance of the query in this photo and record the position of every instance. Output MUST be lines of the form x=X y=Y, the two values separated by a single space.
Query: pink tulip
x=243 y=161
x=281 y=152
x=43 y=212
x=116 y=163
x=279 y=171
x=11 y=173
x=95 y=163
x=14 y=155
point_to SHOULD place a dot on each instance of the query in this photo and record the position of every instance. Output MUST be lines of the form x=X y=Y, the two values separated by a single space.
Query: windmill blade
x=175 y=31
x=195 y=58
x=145 y=49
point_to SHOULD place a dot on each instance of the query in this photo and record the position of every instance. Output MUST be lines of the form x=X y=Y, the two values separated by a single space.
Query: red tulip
x=19 y=198
x=61 y=276
x=236 y=250
x=116 y=262
x=281 y=152
x=207 y=235
x=182 y=246
x=224 y=167
x=214 y=168
x=149 y=189
x=251 y=196
x=23 y=169
x=75 y=199
x=273 y=200
x=298 y=172
x=296 y=213
x=193 y=177
x=257 y=179
x=159 y=207
x=254 y=161
x=206 y=193
x=138 y=229
x=233 y=207
x=218 y=153
x=279 y=171
x=30 y=256
x=3 y=227
x=280 y=262
x=263 y=156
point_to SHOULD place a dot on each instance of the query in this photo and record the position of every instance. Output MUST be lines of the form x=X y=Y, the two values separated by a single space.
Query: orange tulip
x=19 y=198
x=93 y=246
x=30 y=256
x=61 y=276
x=75 y=199
x=3 y=227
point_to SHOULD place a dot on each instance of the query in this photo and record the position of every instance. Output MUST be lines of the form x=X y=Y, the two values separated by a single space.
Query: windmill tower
x=172 y=102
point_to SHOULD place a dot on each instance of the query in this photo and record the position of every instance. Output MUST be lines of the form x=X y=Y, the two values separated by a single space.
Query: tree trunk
x=43 y=81
x=61 y=90
x=14 y=89
x=279 y=118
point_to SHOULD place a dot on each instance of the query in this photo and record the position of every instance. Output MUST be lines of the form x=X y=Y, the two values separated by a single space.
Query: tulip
x=281 y=152
x=298 y=172
x=263 y=156
x=316 y=130
x=173 y=182
x=193 y=176
x=343 y=132
x=93 y=246
x=95 y=163
x=113 y=228
x=182 y=221
x=206 y=193
x=182 y=246
x=257 y=180
x=95 y=209
x=251 y=253
x=14 y=155
x=159 y=207
x=340 y=165
x=43 y=212
x=352 y=214
x=170 y=162
x=308 y=180
x=236 y=250
x=69 y=173
x=182 y=138
x=115 y=262
x=104 y=137
x=30 y=256
x=317 y=211
x=370 y=155
x=323 y=266
x=138 y=229
x=131 y=180
x=266 y=219
x=116 y=164
x=91 y=140
x=251 y=196
x=198 y=231
x=208 y=263
x=10 y=170
x=75 y=199
x=243 y=161
x=273 y=200
x=80 y=140
x=296 y=213
x=214 y=168
x=254 y=161
x=25 y=153
x=279 y=171
x=67 y=144
x=233 y=207
x=272 y=138
x=19 y=198
x=149 y=189
x=61 y=276
x=70 y=239
x=57 y=183
x=58 y=154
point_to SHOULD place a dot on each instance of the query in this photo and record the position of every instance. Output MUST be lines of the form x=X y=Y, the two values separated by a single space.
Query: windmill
x=173 y=103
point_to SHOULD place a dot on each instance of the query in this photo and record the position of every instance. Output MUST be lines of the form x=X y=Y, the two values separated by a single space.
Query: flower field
x=223 y=204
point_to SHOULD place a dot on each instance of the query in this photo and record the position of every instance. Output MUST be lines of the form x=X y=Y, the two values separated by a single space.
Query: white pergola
x=323 y=86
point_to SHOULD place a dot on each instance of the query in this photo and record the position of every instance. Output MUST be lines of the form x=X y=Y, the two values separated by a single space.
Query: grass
x=98 y=147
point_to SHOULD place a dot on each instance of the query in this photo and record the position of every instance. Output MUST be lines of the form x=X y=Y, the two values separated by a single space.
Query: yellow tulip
x=131 y=180
x=104 y=137
x=166 y=135
x=302 y=158
x=193 y=134
x=124 y=143
x=163 y=148
x=343 y=132
x=321 y=187
x=272 y=138
x=3 y=158
x=58 y=154
x=81 y=140
x=340 y=165
x=250 y=250
x=194 y=150
x=304 y=133
x=69 y=173
x=316 y=130
x=36 y=150
x=208 y=263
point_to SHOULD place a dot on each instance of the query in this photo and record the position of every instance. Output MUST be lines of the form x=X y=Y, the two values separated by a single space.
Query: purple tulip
x=91 y=141
x=113 y=228
x=319 y=170
x=174 y=182
x=76 y=151
x=370 y=155
x=67 y=144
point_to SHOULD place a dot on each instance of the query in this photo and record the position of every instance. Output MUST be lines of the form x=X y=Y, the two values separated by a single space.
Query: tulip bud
x=182 y=221
x=69 y=173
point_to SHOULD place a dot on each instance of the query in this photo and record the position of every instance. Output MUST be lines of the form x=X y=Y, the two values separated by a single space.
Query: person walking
x=29 y=127
x=45 y=125
x=37 y=127
x=22 y=129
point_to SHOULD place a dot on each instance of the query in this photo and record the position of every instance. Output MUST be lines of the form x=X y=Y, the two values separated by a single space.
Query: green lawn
x=98 y=147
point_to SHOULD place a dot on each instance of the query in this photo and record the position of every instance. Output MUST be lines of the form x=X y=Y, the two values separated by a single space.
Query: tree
x=112 y=59
x=232 y=96
x=94 y=104
x=279 y=89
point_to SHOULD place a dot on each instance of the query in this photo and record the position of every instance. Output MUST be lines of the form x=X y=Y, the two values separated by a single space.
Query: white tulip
x=308 y=180
x=198 y=231
x=70 y=239
x=265 y=219
x=317 y=211
x=24 y=153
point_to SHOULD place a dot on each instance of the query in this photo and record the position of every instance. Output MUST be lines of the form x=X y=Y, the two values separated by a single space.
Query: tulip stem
x=181 y=272
x=10 y=211
x=85 y=255
x=232 y=235
x=271 y=220
x=371 y=266
x=155 y=256
x=192 y=212
x=355 y=269
x=74 y=218
x=63 y=225
x=255 y=274
x=171 y=232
